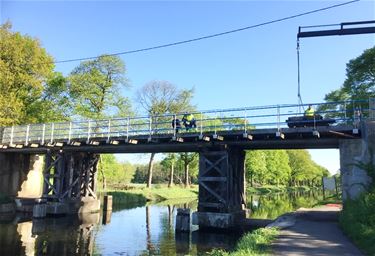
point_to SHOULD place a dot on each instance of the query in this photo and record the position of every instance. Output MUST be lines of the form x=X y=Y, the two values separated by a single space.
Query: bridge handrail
x=245 y=119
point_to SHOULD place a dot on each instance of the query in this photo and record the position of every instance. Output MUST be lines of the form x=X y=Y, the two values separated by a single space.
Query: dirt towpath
x=313 y=232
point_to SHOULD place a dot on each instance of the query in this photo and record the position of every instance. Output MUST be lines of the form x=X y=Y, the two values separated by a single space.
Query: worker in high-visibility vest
x=310 y=112
x=189 y=121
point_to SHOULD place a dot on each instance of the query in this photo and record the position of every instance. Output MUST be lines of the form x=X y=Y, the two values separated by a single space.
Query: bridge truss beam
x=69 y=175
x=221 y=188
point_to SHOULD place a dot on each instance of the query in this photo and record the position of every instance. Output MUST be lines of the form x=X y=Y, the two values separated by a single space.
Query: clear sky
x=248 y=68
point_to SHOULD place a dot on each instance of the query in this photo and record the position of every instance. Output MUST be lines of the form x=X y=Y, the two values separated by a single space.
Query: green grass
x=257 y=242
x=358 y=222
x=137 y=193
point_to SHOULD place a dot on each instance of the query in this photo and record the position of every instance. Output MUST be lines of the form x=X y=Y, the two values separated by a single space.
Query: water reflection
x=141 y=230
x=49 y=236
x=272 y=206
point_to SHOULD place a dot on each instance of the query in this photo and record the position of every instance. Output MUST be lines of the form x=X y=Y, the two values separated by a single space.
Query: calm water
x=145 y=230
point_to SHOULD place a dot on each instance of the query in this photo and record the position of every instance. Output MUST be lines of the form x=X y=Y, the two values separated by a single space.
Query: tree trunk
x=104 y=185
x=170 y=184
x=187 y=183
x=150 y=167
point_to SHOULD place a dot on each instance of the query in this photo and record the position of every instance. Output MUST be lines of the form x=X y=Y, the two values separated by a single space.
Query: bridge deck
x=285 y=138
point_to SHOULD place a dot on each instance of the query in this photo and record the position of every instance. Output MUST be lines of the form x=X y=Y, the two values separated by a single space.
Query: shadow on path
x=315 y=232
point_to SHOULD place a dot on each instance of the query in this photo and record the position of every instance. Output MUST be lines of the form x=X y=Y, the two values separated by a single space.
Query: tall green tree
x=300 y=164
x=358 y=85
x=95 y=88
x=26 y=79
x=256 y=166
x=158 y=98
x=278 y=166
x=189 y=160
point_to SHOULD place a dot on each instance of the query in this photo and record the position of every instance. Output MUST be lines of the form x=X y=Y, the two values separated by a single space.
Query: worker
x=189 y=121
x=176 y=124
x=310 y=112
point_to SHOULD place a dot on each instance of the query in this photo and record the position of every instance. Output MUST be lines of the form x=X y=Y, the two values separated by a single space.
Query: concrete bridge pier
x=357 y=161
x=21 y=175
x=70 y=182
x=221 y=189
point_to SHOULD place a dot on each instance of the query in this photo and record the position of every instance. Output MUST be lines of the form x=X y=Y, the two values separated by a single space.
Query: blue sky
x=248 y=68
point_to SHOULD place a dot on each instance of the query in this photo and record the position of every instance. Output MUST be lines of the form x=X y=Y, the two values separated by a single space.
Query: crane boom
x=343 y=30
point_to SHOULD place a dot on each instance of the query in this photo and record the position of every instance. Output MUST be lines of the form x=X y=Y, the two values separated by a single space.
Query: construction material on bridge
x=309 y=121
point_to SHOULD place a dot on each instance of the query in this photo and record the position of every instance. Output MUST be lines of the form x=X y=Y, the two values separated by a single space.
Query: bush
x=358 y=221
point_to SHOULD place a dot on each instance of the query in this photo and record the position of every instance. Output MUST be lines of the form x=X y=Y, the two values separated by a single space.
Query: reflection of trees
x=150 y=247
x=272 y=206
x=167 y=235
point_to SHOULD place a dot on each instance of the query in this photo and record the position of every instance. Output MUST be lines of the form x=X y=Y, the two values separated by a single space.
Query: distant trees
x=282 y=167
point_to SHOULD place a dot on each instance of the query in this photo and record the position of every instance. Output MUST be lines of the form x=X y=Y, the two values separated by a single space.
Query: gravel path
x=315 y=232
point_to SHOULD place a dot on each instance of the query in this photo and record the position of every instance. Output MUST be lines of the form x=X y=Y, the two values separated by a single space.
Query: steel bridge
x=71 y=149
x=262 y=127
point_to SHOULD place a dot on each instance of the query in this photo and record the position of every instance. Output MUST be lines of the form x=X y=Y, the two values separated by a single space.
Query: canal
x=132 y=229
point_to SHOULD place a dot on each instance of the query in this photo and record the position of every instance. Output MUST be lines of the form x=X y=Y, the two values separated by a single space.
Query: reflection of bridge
x=71 y=149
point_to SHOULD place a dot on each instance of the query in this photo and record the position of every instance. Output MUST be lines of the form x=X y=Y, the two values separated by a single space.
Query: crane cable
x=300 y=103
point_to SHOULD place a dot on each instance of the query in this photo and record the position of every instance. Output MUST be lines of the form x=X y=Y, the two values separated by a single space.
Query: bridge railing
x=213 y=121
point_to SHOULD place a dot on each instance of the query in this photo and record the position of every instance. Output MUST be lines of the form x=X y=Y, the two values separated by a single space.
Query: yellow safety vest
x=309 y=112
x=190 y=117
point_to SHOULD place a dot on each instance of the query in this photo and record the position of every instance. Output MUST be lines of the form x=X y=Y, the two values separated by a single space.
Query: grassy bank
x=257 y=242
x=358 y=222
x=139 y=193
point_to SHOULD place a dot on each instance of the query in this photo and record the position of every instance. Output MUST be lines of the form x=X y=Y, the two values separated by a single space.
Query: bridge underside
x=287 y=138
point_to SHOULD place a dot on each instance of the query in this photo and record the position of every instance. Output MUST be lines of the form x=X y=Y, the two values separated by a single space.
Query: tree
x=26 y=80
x=278 y=166
x=256 y=166
x=95 y=85
x=169 y=162
x=188 y=159
x=359 y=83
x=94 y=89
x=158 y=98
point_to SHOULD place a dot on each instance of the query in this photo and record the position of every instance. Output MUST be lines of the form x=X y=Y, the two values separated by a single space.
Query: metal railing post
x=109 y=131
x=52 y=131
x=215 y=125
x=11 y=135
x=174 y=126
x=27 y=135
x=278 y=118
x=70 y=132
x=201 y=124
x=127 y=128
x=88 y=132
x=43 y=133
x=245 y=122
x=150 y=127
